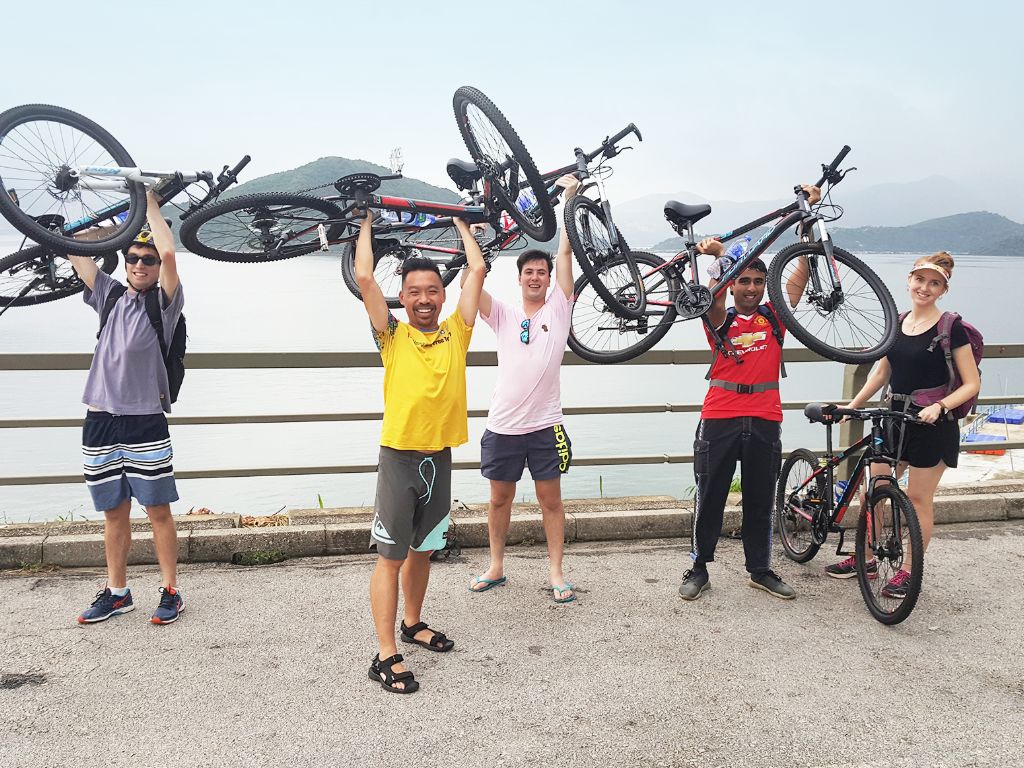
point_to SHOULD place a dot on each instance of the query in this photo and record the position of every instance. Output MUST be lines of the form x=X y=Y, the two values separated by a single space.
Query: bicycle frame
x=797 y=212
x=117 y=178
x=872 y=451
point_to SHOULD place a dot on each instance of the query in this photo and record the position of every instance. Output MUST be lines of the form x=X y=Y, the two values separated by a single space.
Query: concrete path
x=267 y=667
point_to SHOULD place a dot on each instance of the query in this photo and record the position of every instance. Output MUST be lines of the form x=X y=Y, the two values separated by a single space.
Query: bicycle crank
x=693 y=301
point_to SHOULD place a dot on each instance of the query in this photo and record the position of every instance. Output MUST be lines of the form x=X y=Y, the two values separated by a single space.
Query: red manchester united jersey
x=761 y=356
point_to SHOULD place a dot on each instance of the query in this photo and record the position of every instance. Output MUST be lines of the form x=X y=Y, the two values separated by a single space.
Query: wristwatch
x=943 y=408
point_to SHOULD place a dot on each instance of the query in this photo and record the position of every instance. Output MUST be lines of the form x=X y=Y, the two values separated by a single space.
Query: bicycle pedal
x=321 y=232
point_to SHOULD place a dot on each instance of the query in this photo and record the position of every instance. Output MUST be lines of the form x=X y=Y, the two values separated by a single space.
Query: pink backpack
x=923 y=397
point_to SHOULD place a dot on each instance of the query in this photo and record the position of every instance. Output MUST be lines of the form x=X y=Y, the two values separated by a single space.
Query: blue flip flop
x=567 y=587
x=488 y=583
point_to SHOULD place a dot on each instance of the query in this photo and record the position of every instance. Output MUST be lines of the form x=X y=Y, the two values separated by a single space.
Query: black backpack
x=173 y=355
x=723 y=332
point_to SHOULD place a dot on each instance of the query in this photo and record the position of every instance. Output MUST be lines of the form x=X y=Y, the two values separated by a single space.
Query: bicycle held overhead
x=70 y=186
x=842 y=309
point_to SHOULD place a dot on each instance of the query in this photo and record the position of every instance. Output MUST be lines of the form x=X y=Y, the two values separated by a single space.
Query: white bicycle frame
x=102 y=177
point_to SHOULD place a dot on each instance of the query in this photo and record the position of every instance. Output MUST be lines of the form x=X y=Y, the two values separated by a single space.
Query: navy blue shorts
x=547 y=452
x=128 y=456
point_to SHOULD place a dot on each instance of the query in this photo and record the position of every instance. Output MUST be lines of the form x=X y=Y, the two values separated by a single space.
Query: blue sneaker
x=171 y=605
x=106 y=605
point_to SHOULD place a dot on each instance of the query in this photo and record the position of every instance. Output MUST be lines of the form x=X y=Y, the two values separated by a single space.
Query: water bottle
x=840 y=488
x=733 y=253
x=413 y=219
x=524 y=203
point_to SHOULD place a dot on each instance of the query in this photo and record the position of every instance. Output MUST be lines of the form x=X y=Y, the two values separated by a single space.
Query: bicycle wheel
x=859 y=326
x=37 y=274
x=268 y=226
x=388 y=258
x=40 y=148
x=591 y=241
x=885 y=531
x=598 y=335
x=795 y=500
x=507 y=167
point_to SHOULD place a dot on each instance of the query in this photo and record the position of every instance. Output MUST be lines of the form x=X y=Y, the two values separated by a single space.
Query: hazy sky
x=736 y=100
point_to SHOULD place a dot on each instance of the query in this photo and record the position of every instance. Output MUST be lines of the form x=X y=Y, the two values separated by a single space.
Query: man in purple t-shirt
x=125 y=442
x=524 y=424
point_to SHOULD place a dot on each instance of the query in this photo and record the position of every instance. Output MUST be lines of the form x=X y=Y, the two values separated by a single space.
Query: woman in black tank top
x=927 y=449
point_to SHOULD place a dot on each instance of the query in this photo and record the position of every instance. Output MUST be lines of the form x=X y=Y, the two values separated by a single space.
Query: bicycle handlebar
x=826 y=413
x=610 y=142
x=828 y=172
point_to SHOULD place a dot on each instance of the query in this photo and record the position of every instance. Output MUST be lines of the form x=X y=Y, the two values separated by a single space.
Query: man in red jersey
x=740 y=422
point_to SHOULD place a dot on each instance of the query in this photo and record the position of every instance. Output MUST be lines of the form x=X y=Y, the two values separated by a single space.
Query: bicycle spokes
x=39 y=161
x=844 y=314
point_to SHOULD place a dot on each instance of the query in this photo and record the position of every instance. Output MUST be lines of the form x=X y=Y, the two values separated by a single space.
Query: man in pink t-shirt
x=524 y=425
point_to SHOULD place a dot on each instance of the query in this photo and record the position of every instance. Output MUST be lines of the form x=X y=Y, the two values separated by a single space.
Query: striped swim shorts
x=128 y=456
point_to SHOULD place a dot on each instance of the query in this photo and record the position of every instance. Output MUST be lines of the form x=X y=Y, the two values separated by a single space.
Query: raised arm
x=714 y=247
x=485 y=297
x=373 y=298
x=86 y=269
x=476 y=269
x=164 y=242
x=563 y=259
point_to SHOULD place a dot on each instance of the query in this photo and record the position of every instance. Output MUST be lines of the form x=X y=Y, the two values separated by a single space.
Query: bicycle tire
x=589 y=236
x=885 y=609
x=55 y=276
x=387 y=262
x=49 y=195
x=490 y=155
x=873 y=332
x=594 y=327
x=802 y=463
x=248 y=229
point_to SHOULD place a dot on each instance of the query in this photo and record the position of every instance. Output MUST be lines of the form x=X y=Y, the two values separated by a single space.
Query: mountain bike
x=435 y=239
x=810 y=503
x=829 y=299
x=594 y=238
x=70 y=186
x=273 y=226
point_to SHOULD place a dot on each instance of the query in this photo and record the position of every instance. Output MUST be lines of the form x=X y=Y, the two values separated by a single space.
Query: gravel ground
x=268 y=666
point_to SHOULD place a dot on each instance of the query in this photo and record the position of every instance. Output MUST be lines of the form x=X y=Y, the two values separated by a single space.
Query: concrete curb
x=347 y=531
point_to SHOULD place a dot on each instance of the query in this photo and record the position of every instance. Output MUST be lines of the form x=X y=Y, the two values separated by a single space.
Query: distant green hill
x=980 y=233
x=327 y=170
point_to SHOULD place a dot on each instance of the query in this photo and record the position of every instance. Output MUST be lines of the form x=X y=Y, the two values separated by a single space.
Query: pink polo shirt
x=527 y=396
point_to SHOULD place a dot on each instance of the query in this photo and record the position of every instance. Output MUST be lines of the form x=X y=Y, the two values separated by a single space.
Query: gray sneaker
x=772 y=584
x=695 y=582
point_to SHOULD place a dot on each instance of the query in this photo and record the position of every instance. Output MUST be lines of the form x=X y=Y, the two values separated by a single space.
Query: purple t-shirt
x=527 y=396
x=128 y=376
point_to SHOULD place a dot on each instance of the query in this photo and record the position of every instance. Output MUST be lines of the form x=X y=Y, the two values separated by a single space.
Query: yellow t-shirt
x=424 y=385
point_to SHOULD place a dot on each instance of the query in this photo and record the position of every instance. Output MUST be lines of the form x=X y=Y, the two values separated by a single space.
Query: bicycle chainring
x=696 y=304
x=366 y=183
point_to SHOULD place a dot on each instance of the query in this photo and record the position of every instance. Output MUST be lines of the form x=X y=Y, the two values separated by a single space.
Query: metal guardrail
x=853 y=379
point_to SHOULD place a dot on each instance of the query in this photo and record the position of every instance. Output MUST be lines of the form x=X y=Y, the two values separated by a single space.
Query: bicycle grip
x=839 y=158
x=241 y=164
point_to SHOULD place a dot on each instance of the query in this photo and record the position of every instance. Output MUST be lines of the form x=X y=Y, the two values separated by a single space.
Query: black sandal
x=438 y=642
x=383 y=673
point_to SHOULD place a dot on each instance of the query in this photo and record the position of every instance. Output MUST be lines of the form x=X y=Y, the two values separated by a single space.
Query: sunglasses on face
x=525 y=335
x=149 y=261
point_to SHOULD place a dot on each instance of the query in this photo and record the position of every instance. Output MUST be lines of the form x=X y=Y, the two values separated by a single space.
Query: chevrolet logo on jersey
x=748 y=339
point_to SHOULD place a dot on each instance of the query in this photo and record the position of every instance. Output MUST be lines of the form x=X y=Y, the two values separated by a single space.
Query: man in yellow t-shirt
x=424 y=418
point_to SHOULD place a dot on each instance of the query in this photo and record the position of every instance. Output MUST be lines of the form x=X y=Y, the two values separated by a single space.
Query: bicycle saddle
x=463 y=172
x=682 y=214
